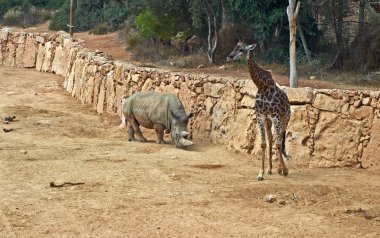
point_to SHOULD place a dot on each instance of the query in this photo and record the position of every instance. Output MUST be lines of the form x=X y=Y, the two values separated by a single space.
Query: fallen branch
x=53 y=185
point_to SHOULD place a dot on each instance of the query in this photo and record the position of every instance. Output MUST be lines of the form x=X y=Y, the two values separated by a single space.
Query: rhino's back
x=149 y=108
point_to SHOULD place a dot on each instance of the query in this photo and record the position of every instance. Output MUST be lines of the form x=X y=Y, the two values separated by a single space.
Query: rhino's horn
x=184 y=134
x=185 y=142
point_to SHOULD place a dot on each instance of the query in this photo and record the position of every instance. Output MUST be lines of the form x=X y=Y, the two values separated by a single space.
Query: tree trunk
x=361 y=16
x=303 y=39
x=337 y=21
x=292 y=12
x=71 y=27
x=212 y=24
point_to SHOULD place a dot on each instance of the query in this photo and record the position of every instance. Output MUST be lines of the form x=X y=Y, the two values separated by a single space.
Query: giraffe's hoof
x=260 y=178
x=279 y=170
x=269 y=171
x=131 y=139
x=285 y=171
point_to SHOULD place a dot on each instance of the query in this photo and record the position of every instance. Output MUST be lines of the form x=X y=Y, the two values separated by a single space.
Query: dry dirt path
x=149 y=190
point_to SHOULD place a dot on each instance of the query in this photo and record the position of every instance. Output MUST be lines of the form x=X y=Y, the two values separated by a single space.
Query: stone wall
x=328 y=128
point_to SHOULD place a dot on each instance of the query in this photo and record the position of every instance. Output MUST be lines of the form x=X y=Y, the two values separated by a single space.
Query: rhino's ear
x=190 y=115
x=174 y=115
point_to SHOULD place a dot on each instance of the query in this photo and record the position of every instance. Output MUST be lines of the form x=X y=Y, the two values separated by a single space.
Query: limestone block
x=135 y=78
x=335 y=141
x=222 y=110
x=2 y=49
x=4 y=33
x=326 y=103
x=78 y=71
x=59 y=63
x=373 y=102
x=40 y=39
x=30 y=54
x=209 y=103
x=97 y=83
x=70 y=61
x=119 y=94
x=248 y=88
x=88 y=90
x=361 y=112
x=201 y=126
x=101 y=95
x=40 y=57
x=110 y=92
x=366 y=101
x=345 y=108
x=374 y=94
x=371 y=156
x=88 y=83
x=186 y=97
x=21 y=38
x=299 y=95
x=297 y=136
x=148 y=85
x=49 y=54
x=213 y=89
x=70 y=80
x=240 y=131
x=167 y=89
x=10 y=54
x=19 y=58
x=199 y=90
x=248 y=102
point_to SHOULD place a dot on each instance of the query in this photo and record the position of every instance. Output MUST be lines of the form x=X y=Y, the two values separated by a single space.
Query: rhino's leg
x=160 y=129
x=131 y=132
x=135 y=126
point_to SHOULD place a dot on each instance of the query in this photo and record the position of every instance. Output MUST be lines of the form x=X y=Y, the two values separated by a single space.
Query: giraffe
x=272 y=106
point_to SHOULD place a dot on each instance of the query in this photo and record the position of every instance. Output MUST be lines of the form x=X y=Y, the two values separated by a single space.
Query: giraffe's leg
x=268 y=126
x=281 y=164
x=260 y=122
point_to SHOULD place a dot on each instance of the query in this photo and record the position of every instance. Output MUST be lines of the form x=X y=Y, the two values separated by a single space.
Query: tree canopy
x=332 y=29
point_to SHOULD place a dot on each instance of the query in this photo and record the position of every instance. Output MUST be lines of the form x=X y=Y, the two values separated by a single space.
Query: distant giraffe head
x=241 y=49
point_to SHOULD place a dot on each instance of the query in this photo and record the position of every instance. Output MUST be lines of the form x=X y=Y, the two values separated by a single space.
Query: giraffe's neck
x=257 y=73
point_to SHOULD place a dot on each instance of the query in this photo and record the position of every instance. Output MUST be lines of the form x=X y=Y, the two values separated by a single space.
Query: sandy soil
x=133 y=189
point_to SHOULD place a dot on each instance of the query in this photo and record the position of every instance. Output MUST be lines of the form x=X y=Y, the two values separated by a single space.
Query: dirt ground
x=131 y=189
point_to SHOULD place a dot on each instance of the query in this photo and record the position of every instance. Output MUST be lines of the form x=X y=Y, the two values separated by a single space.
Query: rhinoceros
x=159 y=111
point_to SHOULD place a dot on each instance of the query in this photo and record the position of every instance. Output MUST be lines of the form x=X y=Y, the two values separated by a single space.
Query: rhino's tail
x=286 y=156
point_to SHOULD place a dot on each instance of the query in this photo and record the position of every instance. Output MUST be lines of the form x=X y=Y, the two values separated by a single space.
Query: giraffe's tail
x=286 y=156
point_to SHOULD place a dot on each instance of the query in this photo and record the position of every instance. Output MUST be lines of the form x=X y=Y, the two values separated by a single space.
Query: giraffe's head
x=240 y=49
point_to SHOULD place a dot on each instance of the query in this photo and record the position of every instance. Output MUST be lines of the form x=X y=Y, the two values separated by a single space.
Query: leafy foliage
x=330 y=26
x=146 y=23
x=90 y=13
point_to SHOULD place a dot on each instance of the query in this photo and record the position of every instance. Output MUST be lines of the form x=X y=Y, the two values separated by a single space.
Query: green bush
x=115 y=14
x=100 y=29
x=88 y=14
x=129 y=34
x=154 y=52
x=33 y=16
x=146 y=23
x=12 y=17
x=61 y=18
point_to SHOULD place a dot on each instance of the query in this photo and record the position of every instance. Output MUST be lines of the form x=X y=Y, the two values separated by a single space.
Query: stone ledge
x=223 y=107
